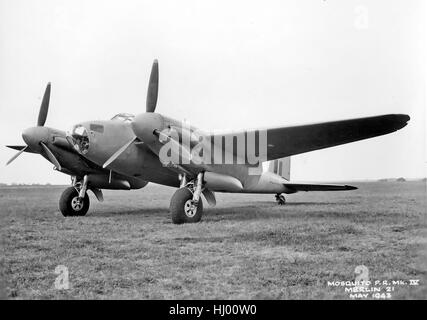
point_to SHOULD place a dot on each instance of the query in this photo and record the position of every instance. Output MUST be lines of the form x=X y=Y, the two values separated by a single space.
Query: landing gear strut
x=280 y=199
x=74 y=200
x=186 y=206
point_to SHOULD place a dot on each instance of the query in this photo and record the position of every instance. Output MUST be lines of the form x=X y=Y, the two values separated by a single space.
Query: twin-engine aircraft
x=129 y=151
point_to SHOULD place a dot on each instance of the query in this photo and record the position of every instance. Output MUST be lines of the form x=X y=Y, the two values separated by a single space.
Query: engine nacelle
x=102 y=181
x=221 y=182
x=144 y=125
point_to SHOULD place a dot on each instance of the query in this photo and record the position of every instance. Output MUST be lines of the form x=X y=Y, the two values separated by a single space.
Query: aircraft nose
x=33 y=136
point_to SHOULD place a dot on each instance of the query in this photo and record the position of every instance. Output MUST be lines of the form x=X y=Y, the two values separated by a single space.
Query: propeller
x=145 y=124
x=148 y=126
x=35 y=136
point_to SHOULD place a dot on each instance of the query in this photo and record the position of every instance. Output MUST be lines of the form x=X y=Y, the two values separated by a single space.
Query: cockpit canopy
x=80 y=138
x=123 y=117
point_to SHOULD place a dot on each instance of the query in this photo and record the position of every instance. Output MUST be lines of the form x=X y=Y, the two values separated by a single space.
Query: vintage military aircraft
x=129 y=151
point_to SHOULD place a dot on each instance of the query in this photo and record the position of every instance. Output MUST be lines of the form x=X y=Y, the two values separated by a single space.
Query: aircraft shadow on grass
x=250 y=211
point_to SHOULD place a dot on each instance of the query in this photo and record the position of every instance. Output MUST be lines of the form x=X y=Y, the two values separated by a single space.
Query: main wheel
x=70 y=204
x=182 y=207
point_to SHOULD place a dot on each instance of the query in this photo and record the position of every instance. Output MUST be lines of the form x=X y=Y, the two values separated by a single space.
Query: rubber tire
x=180 y=197
x=65 y=203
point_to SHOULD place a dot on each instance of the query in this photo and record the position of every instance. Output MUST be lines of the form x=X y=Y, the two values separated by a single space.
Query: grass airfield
x=247 y=247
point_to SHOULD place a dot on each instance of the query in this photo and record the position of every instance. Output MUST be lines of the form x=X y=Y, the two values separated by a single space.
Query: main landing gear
x=186 y=205
x=74 y=200
x=280 y=199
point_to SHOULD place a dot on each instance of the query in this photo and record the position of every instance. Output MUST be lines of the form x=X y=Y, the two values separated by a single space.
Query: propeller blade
x=19 y=148
x=98 y=194
x=44 y=107
x=210 y=197
x=51 y=156
x=153 y=88
x=16 y=155
x=118 y=153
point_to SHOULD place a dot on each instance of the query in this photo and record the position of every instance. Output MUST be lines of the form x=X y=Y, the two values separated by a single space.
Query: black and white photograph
x=213 y=154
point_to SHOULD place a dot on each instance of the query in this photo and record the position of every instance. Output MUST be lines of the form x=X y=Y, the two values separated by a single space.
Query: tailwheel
x=71 y=204
x=184 y=209
x=280 y=199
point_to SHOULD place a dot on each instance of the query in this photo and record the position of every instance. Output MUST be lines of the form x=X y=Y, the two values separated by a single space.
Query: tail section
x=281 y=167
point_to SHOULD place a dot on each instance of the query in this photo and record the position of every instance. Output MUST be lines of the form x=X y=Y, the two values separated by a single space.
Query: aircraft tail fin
x=281 y=167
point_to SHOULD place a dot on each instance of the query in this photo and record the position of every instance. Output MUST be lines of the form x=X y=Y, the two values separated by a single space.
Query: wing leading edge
x=284 y=142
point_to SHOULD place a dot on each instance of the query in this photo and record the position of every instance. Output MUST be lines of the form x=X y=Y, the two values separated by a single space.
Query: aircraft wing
x=287 y=141
x=295 y=187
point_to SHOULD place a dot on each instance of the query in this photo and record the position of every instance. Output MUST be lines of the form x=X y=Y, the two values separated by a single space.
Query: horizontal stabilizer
x=295 y=187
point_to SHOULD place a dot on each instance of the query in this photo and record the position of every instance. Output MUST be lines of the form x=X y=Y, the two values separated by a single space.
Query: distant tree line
x=24 y=184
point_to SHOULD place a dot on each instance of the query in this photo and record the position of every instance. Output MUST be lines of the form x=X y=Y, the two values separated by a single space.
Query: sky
x=224 y=65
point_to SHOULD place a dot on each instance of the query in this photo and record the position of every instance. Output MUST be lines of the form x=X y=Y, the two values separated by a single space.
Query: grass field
x=246 y=247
